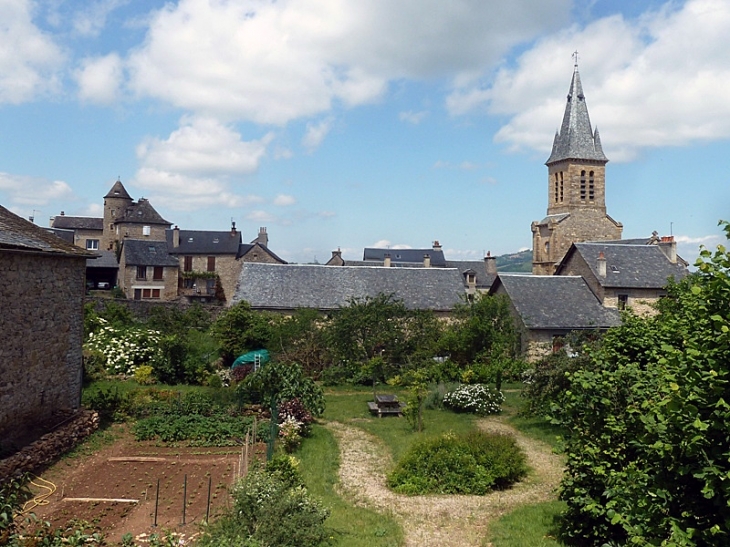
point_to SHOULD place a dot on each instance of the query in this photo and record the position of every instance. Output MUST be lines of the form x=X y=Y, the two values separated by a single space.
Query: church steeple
x=576 y=140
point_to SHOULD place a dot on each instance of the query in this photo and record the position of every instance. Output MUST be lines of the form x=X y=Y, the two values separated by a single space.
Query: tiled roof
x=205 y=242
x=576 y=140
x=78 y=223
x=556 y=302
x=629 y=266
x=142 y=213
x=118 y=191
x=106 y=259
x=17 y=234
x=291 y=286
x=397 y=256
x=142 y=252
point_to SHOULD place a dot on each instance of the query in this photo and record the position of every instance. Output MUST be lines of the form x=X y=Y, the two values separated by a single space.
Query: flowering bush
x=125 y=348
x=476 y=398
x=290 y=432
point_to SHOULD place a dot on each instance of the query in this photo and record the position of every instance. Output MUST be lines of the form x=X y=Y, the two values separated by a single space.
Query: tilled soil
x=440 y=520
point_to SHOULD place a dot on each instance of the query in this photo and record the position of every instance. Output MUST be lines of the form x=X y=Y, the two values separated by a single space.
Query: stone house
x=147 y=271
x=41 y=297
x=547 y=307
x=576 y=188
x=287 y=287
x=625 y=273
x=87 y=231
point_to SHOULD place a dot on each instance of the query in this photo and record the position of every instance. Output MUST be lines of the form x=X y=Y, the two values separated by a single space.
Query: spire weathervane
x=575 y=58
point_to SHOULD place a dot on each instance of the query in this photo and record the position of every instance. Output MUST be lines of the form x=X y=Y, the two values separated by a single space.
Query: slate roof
x=142 y=213
x=205 y=242
x=142 y=252
x=78 y=223
x=556 y=302
x=291 y=286
x=576 y=140
x=398 y=256
x=118 y=191
x=18 y=234
x=246 y=247
x=555 y=218
x=628 y=266
x=66 y=235
x=106 y=259
x=484 y=280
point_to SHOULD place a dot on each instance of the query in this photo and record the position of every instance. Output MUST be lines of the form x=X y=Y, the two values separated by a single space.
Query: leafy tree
x=483 y=331
x=240 y=329
x=647 y=443
x=299 y=338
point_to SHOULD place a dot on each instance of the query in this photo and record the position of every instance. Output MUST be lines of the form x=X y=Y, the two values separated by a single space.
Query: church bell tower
x=576 y=188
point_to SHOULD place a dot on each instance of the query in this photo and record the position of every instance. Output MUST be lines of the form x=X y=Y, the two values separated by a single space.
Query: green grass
x=350 y=526
x=535 y=427
x=530 y=525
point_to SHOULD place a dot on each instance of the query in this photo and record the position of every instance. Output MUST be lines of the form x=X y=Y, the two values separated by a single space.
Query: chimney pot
x=426 y=261
x=386 y=260
x=601 y=264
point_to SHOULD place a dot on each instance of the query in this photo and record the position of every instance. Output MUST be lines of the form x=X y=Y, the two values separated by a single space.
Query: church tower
x=576 y=188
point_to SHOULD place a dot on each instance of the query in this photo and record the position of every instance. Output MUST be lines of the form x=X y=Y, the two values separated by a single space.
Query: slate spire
x=576 y=140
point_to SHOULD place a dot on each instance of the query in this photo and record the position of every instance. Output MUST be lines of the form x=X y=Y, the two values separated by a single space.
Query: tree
x=240 y=329
x=647 y=427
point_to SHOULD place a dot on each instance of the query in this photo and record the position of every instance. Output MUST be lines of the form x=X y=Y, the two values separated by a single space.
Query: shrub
x=143 y=375
x=475 y=463
x=124 y=348
x=271 y=508
x=239 y=373
x=476 y=398
x=282 y=382
x=110 y=404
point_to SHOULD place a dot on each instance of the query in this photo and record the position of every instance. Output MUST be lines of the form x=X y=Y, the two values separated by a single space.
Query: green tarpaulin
x=250 y=358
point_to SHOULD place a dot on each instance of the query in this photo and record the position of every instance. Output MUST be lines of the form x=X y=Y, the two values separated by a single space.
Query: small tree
x=240 y=329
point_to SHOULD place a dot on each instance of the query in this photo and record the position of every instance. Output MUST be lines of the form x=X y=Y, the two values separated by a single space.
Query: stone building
x=123 y=217
x=628 y=273
x=576 y=188
x=41 y=298
x=87 y=232
x=147 y=271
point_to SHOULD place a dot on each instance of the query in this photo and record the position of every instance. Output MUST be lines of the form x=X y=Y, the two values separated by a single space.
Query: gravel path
x=440 y=520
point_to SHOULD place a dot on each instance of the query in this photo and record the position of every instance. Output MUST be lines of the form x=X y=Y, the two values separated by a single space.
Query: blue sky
x=373 y=123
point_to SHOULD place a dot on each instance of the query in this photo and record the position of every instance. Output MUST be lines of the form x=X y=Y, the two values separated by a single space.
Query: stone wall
x=37 y=455
x=142 y=309
x=41 y=298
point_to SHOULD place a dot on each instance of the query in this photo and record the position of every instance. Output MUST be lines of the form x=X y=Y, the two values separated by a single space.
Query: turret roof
x=576 y=140
x=118 y=191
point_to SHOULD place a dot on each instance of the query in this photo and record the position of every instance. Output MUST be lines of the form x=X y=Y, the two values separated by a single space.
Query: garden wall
x=141 y=309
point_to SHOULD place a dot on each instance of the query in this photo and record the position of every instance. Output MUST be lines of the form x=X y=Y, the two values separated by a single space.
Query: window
x=582 y=185
x=188 y=264
x=188 y=283
x=157 y=274
x=623 y=301
x=92 y=244
x=555 y=188
x=211 y=263
x=561 y=186
x=145 y=230
x=141 y=272
x=155 y=293
x=210 y=286
x=146 y=293
x=591 y=187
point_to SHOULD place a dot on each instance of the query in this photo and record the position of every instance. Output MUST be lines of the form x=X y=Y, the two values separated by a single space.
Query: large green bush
x=648 y=425
x=272 y=508
x=475 y=463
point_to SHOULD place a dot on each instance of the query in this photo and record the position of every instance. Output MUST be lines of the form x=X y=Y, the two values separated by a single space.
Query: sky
x=370 y=123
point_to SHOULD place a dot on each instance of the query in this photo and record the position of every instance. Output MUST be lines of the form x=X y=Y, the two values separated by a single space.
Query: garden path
x=440 y=520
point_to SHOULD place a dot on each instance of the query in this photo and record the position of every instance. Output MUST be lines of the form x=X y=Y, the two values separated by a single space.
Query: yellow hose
x=40 y=499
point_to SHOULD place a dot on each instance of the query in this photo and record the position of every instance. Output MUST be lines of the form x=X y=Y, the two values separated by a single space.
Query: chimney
x=669 y=247
x=233 y=229
x=263 y=237
x=175 y=237
x=426 y=261
x=601 y=264
x=490 y=264
x=471 y=282
x=386 y=262
x=436 y=246
x=62 y=213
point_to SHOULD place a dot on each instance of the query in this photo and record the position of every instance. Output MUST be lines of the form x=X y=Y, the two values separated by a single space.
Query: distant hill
x=515 y=262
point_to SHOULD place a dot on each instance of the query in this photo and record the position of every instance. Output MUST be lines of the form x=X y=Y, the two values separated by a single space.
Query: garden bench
x=386 y=405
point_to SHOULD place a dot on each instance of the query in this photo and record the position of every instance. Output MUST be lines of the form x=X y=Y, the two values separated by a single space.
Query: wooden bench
x=386 y=405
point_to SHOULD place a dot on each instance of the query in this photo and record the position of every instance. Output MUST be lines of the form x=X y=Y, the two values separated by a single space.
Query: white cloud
x=100 y=78
x=386 y=244
x=463 y=254
x=412 y=117
x=30 y=61
x=315 y=134
x=91 y=19
x=33 y=191
x=272 y=62
x=261 y=216
x=283 y=200
x=653 y=81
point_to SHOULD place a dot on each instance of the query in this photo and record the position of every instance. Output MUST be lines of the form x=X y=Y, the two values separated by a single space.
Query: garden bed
x=129 y=470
